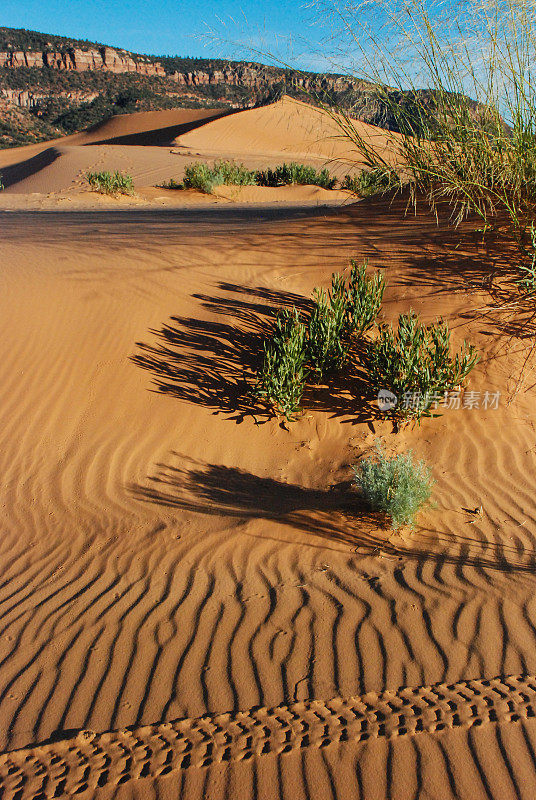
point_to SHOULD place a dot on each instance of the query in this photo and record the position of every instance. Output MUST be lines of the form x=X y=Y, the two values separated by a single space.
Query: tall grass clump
x=468 y=138
x=527 y=269
x=414 y=362
x=397 y=486
x=204 y=178
x=281 y=380
x=294 y=173
x=110 y=182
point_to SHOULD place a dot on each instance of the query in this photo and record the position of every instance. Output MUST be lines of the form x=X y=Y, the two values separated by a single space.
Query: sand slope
x=165 y=558
x=287 y=128
x=141 y=124
x=59 y=165
x=62 y=167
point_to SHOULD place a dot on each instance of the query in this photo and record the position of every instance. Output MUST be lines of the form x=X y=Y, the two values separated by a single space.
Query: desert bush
x=370 y=182
x=414 y=362
x=363 y=297
x=301 y=349
x=204 y=178
x=110 y=182
x=294 y=173
x=349 y=307
x=201 y=177
x=281 y=380
x=235 y=174
x=397 y=486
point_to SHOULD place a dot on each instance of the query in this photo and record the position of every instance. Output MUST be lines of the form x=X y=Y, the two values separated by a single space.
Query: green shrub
x=299 y=350
x=414 y=362
x=364 y=297
x=201 y=177
x=398 y=486
x=110 y=182
x=205 y=179
x=281 y=381
x=235 y=174
x=369 y=182
x=349 y=307
x=294 y=173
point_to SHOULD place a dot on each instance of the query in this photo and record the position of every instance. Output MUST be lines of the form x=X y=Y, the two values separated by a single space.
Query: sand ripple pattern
x=89 y=761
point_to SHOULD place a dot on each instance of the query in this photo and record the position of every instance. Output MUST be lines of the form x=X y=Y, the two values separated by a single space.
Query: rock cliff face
x=106 y=59
x=258 y=78
x=26 y=98
x=74 y=58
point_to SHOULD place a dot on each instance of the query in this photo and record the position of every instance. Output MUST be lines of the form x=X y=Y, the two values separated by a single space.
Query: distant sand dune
x=288 y=127
x=149 y=127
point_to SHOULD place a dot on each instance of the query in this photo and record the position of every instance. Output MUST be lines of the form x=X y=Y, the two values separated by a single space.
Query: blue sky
x=175 y=27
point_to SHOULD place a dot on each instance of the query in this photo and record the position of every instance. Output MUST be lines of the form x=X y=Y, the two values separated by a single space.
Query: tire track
x=90 y=760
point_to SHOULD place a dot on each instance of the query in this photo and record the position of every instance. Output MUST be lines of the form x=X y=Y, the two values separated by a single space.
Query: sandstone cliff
x=74 y=58
x=107 y=59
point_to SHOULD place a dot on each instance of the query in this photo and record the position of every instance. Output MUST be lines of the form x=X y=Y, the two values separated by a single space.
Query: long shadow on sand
x=335 y=515
x=230 y=492
x=214 y=363
x=162 y=137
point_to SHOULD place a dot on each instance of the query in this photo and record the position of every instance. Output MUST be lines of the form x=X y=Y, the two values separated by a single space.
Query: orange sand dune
x=151 y=128
x=62 y=167
x=120 y=125
x=193 y=604
x=288 y=128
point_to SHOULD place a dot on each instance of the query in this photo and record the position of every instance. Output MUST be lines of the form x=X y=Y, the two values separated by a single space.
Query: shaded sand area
x=156 y=146
x=192 y=602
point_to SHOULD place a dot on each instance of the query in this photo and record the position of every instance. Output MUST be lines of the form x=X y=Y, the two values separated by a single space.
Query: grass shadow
x=213 y=363
x=230 y=492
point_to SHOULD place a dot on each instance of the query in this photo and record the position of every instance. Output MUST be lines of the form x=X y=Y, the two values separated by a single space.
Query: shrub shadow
x=229 y=492
x=335 y=515
x=214 y=363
